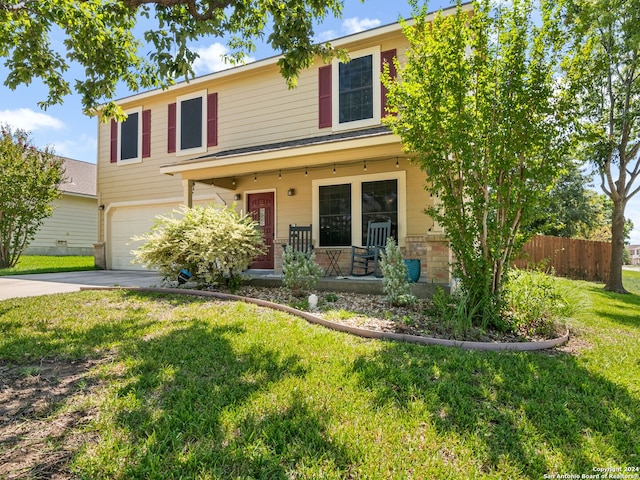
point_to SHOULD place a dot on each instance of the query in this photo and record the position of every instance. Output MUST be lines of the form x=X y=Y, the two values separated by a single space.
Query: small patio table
x=333 y=255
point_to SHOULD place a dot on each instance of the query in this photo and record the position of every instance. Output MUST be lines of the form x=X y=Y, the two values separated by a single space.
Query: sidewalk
x=48 y=283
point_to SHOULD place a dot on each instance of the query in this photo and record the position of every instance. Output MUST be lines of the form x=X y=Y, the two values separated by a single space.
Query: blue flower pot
x=414 y=266
x=184 y=276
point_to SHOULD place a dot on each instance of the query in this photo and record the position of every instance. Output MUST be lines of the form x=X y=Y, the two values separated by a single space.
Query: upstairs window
x=131 y=138
x=350 y=94
x=193 y=123
x=356 y=90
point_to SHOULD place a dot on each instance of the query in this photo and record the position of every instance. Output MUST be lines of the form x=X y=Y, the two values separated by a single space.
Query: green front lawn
x=49 y=264
x=188 y=388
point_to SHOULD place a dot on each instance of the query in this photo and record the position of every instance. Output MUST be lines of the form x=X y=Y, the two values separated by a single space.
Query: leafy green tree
x=29 y=182
x=477 y=106
x=100 y=38
x=602 y=231
x=603 y=72
x=574 y=210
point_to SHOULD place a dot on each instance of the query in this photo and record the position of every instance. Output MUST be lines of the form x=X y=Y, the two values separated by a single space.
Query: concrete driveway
x=47 y=283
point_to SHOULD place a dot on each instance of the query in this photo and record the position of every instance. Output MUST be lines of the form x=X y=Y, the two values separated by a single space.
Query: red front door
x=261 y=208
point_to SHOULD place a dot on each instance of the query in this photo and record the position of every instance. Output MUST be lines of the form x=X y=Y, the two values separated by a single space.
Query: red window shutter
x=324 y=96
x=146 y=133
x=387 y=57
x=113 y=155
x=171 y=130
x=212 y=120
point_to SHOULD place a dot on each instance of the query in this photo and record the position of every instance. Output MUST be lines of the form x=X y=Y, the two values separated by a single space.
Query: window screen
x=379 y=204
x=356 y=89
x=129 y=137
x=335 y=215
x=191 y=123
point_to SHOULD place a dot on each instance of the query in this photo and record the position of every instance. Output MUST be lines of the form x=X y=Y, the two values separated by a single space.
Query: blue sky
x=74 y=135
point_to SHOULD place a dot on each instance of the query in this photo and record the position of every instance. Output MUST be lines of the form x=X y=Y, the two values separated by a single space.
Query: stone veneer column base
x=433 y=252
x=100 y=256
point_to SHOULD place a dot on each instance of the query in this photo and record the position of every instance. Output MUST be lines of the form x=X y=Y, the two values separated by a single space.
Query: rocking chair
x=364 y=260
x=300 y=239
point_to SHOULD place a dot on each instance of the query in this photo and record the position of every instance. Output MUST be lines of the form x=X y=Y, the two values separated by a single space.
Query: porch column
x=187 y=187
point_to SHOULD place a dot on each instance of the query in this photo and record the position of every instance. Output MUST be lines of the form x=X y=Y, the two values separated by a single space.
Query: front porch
x=432 y=250
x=348 y=284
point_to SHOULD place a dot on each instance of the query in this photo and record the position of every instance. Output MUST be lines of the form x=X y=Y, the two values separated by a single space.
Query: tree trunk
x=614 y=283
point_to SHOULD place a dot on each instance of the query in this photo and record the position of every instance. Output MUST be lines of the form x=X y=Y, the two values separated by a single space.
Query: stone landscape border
x=361 y=332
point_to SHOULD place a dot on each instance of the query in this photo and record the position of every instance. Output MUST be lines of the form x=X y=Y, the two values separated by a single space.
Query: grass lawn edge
x=361 y=332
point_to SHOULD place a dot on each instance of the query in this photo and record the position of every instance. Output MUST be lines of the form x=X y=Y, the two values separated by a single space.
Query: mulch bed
x=373 y=312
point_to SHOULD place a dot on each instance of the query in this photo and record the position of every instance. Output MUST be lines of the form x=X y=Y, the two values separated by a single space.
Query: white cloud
x=82 y=148
x=326 y=36
x=211 y=59
x=355 y=24
x=30 y=120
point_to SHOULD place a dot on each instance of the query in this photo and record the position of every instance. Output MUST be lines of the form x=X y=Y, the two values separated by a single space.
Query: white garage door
x=127 y=222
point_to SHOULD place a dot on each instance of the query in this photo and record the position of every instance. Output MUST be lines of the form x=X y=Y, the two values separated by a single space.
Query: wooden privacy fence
x=569 y=257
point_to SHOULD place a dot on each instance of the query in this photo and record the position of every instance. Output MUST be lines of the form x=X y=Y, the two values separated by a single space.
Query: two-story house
x=315 y=155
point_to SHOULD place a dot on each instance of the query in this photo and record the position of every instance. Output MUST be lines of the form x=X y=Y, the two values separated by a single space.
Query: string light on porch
x=310 y=169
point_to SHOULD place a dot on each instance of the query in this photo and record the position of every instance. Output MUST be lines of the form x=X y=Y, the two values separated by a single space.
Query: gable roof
x=79 y=178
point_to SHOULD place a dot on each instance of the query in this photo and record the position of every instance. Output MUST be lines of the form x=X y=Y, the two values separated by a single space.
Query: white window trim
x=137 y=159
x=356 y=182
x=335 y=91
x=179 y=100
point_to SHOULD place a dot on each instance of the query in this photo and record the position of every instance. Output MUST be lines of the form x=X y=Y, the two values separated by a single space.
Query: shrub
x=301 y=273
x=457 y=312
x=214 y=243
x=331 y=297
x=395 y=281
x=534 y=302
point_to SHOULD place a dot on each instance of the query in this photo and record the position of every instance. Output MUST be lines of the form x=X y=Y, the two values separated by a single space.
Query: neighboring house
x=317 y=154
x=73 y=227
x=634 y=254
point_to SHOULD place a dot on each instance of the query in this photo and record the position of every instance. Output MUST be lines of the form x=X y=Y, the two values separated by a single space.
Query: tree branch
x=12 y=7
x=207 y=14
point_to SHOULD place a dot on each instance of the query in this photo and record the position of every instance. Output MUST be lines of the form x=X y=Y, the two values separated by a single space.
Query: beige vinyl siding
x=418 y=223
x=261 y=110
x=137 y=181
x=254 y=108
x=74 y=221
